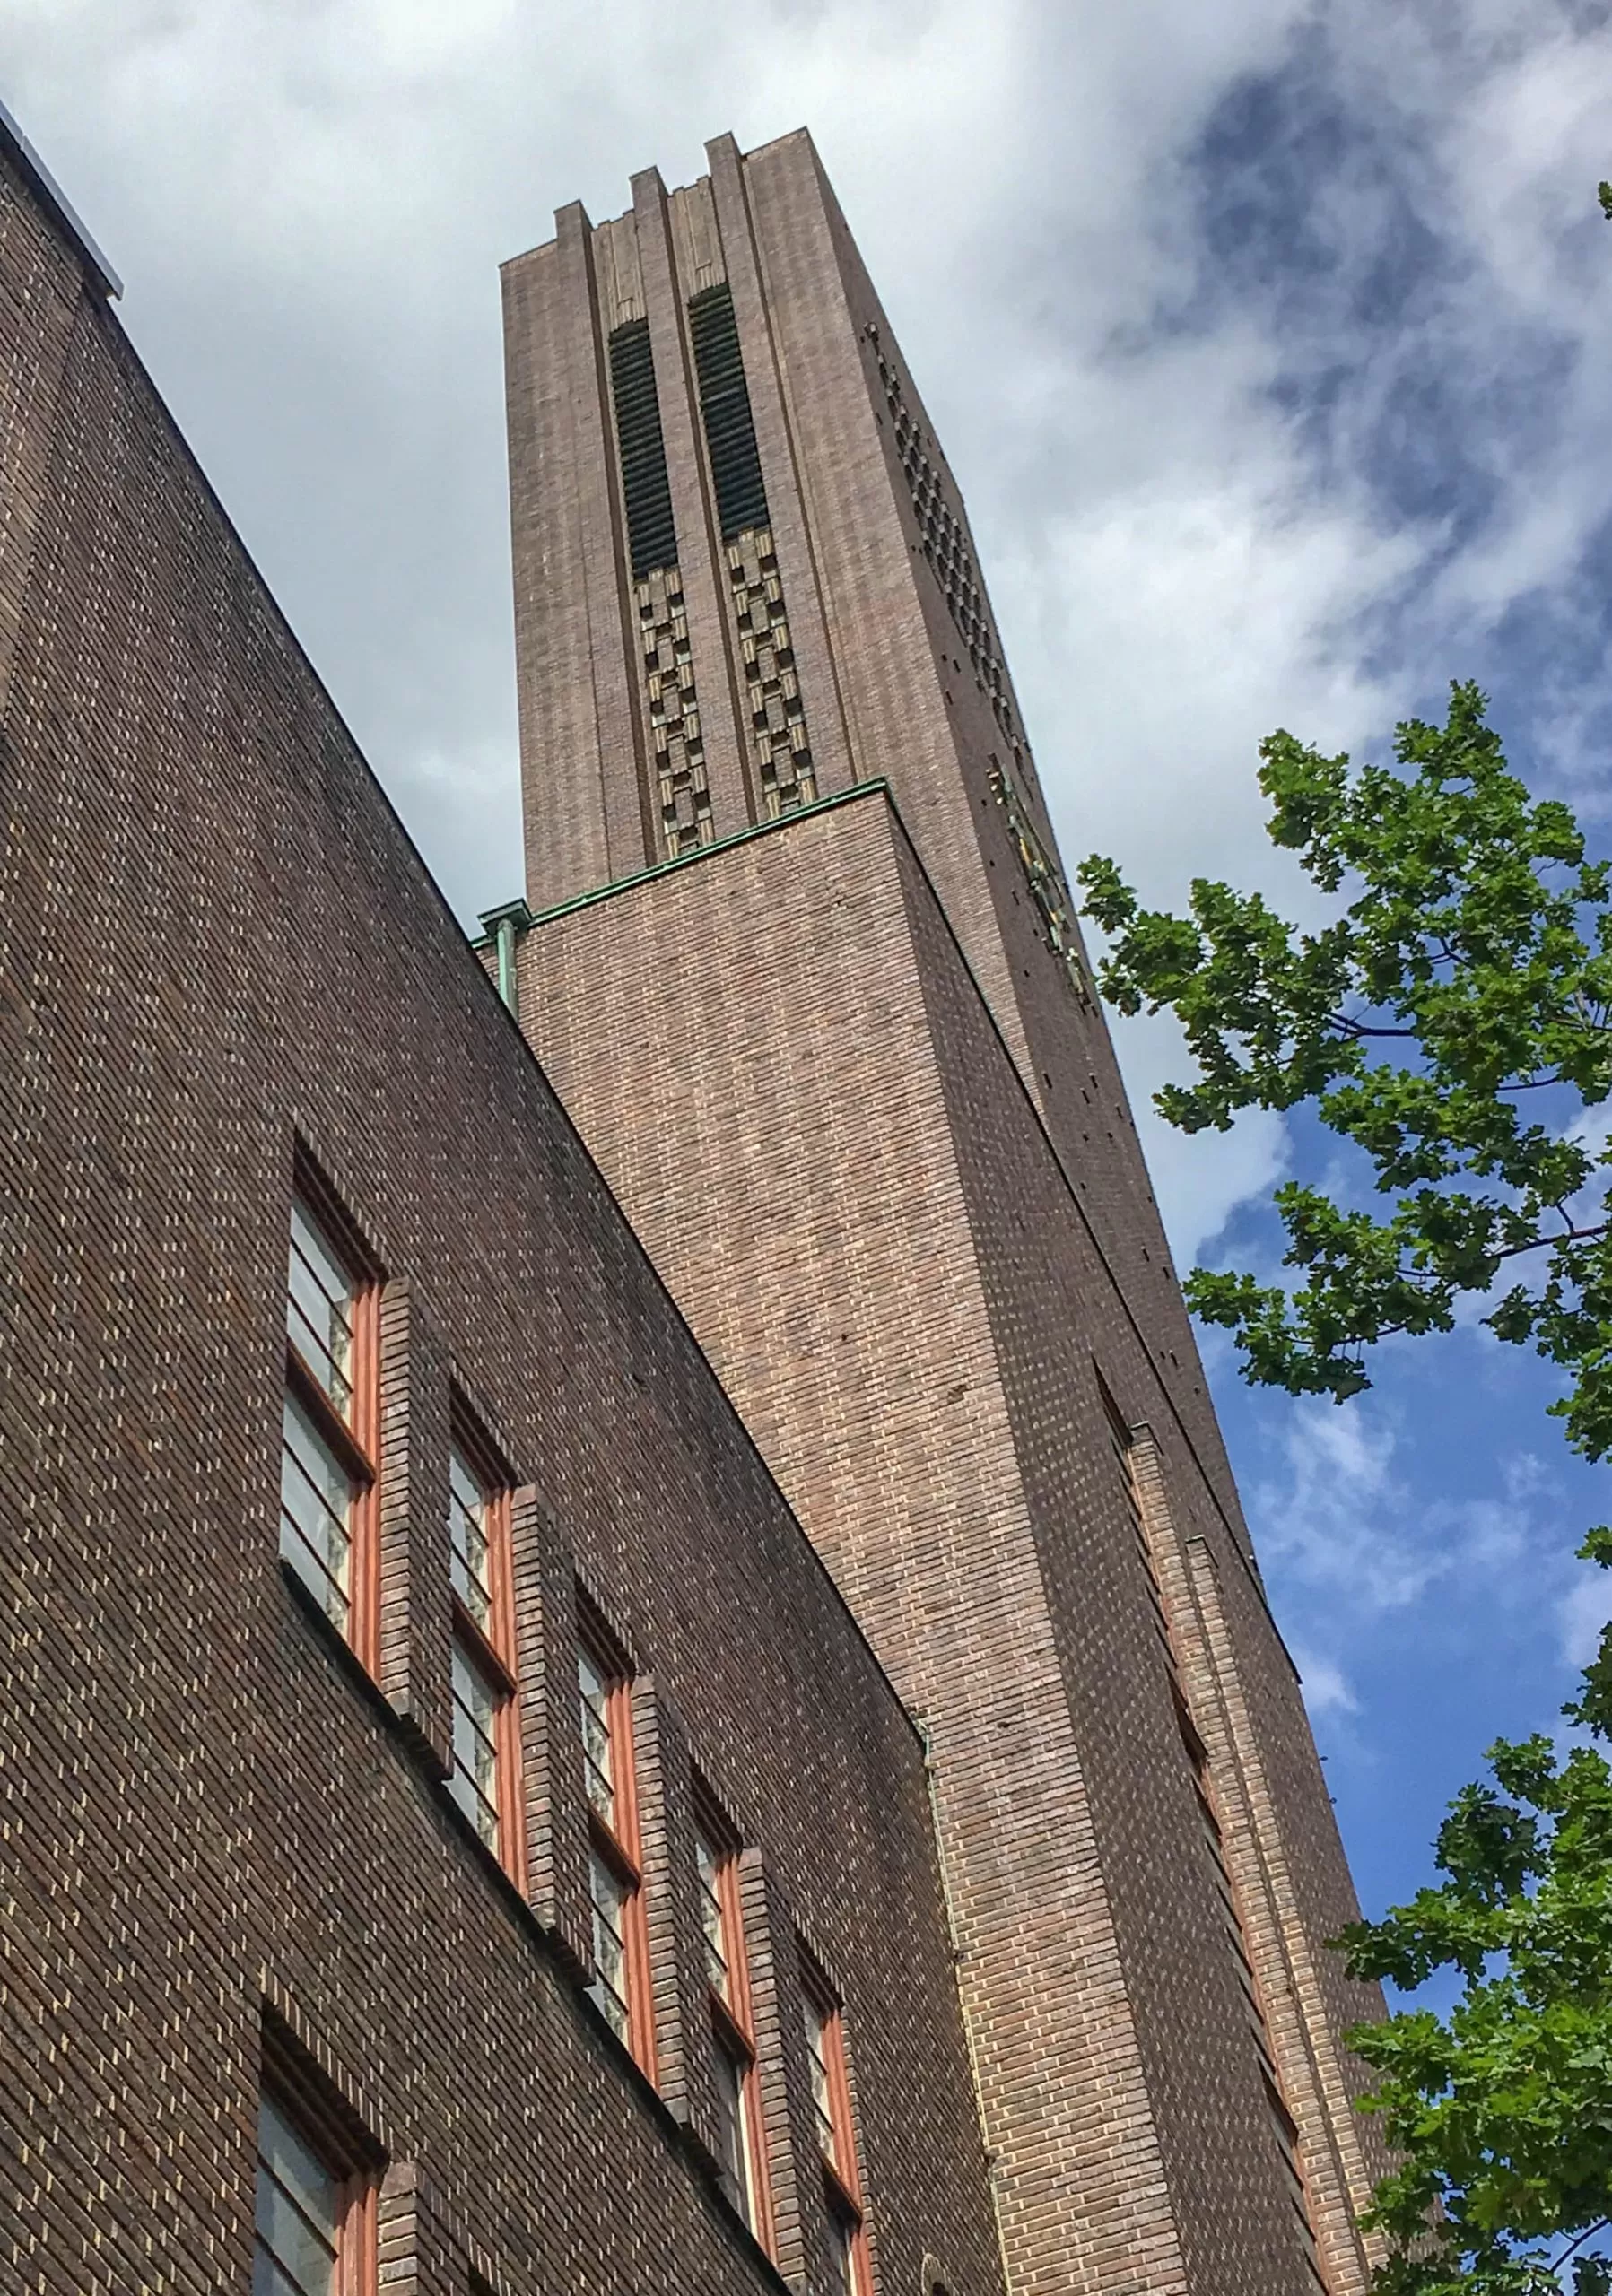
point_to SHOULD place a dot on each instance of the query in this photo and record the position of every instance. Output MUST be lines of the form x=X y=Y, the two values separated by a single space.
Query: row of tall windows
x=1283 y=2125
x=315 y=2202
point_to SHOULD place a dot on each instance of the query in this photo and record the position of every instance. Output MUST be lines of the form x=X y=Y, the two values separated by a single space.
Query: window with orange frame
x=329 y=1459
x=315 y=2228
x=740 y=2136
x=485 y=1777
x=836 y=2136
x=621 y=1945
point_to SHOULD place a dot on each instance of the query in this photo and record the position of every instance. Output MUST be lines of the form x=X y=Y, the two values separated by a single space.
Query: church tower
x=798 y=953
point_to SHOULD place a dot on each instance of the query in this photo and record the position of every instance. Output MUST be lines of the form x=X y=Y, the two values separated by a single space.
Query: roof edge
x=17 y=147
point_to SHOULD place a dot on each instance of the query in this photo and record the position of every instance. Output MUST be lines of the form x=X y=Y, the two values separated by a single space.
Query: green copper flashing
x=878 y=786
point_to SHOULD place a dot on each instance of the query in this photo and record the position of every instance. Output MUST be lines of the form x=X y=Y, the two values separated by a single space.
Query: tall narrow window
x=621 y=1951
x=485 y=1779
x=328 y=1467
x=836 y=2139
x=315 y=2217
x=733 y=2034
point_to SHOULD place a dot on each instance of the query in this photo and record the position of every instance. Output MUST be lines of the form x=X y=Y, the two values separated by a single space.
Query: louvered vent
x=651 y=536
x=725 y=407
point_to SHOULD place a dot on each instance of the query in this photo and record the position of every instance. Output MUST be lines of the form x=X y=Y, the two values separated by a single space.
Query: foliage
x=1454 y=1024
x=1502 y=2113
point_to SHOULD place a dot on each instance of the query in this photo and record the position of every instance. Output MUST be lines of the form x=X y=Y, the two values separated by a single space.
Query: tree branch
x=1352 y=1029
x=1579 y=2240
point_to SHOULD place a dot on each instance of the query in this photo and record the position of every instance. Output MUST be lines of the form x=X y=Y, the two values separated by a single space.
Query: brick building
x=799 y=954
x=736 y=1750
x=448 y=1819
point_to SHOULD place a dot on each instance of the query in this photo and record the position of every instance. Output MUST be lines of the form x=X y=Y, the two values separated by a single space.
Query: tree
x=1454 y=1024
x=1501 y=2112
x=1452 y=1020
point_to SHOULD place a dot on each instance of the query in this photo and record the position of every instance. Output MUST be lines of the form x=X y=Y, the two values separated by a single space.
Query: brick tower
x=800 y=958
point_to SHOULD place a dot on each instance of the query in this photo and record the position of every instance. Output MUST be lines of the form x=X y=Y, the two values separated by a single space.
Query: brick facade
x=215 y=944
x=848 y=1076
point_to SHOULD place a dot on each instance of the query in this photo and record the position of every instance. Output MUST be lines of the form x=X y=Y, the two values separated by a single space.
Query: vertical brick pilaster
x=1279 y=1950
x=419 y=2254
x=703 y=592
x=1309 y=2057
x=415 y=1597
x=786 y=482
x=551 y=1743
x=672 y=1909
x=33 y=358
x=799 y=2224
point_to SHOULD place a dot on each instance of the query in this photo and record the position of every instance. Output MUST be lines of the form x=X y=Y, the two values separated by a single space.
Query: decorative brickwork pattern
x=946 y=547
x=677 y=748
x=777 y=731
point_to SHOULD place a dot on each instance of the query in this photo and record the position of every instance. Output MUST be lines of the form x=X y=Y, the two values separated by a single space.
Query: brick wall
x=215 y=940
x=885 y=678
x=853 y=1198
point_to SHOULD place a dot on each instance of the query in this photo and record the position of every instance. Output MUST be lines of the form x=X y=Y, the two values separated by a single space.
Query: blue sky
x=1272 y=344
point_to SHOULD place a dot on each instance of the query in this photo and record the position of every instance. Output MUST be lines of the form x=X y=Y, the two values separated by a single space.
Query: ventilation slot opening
x=651 y=536
x=736 y=467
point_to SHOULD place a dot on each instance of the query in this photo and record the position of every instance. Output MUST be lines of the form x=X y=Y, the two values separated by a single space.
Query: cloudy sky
x=1272 y=344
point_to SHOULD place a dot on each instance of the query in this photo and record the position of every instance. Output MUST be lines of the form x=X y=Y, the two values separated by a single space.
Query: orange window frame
x=355 y=1441
x=492 y=1647
x=358 y=2171
x=621 y=1844
x=841 y=2171
x=735 y=2018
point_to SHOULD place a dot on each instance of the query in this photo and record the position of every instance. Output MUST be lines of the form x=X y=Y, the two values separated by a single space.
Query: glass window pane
x=712 y=1917
x=818 y=2044
x=467 y=1504
x=598 y=1760
x=610 y=1894
x=733 y=2128
x=845 y=2249
x=475 y=1780
x=298 y=2211
x=318 y=1310
x=315 y=1504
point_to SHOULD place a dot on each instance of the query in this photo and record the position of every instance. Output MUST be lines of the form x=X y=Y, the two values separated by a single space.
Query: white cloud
x=309 y=204
x=1327 y=1688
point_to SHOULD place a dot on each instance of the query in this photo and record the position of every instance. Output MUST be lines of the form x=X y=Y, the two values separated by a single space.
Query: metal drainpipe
x=503 y=927
x=508 y=980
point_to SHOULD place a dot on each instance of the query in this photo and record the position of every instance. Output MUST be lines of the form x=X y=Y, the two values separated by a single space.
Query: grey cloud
x=309 y=204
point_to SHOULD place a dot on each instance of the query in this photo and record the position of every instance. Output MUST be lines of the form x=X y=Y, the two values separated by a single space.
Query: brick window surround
x=742 y=2131
x=329 y=1456
x=621 y=1944
x=486 y=1777
x=836 y=2135
x=316 y=2210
